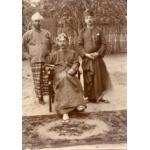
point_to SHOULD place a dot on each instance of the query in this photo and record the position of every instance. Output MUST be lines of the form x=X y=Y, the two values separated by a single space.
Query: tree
x=110 y=14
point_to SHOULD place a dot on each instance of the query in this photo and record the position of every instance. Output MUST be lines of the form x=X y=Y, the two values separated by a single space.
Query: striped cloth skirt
x=40 y=79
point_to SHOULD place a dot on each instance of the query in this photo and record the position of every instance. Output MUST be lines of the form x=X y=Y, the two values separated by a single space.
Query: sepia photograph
x=74 y=74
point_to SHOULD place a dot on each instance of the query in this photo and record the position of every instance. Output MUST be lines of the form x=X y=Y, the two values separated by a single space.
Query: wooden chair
x=50 y=73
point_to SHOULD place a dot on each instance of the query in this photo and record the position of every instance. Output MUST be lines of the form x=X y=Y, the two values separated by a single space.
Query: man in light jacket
x=36 y=46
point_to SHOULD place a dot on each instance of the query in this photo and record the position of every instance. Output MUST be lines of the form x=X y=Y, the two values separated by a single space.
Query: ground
x=116 y=65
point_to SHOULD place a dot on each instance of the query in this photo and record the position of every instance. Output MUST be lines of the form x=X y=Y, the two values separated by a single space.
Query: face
x=36 y=24
x=63 y=43
x=89 y=20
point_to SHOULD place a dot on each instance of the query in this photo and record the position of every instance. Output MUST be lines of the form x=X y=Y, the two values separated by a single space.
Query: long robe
x=95 y=74
x=67 y=88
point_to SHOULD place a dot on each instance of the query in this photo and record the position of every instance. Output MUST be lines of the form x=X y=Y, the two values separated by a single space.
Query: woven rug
x=105 y=127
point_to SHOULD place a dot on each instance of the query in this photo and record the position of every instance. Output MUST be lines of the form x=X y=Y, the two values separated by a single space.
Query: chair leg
x=53 y=99
x=50 y=103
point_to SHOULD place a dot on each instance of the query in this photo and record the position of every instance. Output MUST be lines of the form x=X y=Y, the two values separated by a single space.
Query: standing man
x=36 y=46
x=92 y=48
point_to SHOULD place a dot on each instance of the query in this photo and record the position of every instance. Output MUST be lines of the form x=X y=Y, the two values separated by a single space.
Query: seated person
x=67 y=87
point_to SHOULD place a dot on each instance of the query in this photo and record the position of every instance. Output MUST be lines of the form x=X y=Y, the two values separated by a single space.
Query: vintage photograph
x=74 y=76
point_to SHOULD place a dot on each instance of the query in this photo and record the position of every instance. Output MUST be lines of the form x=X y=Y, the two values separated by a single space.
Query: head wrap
x=62 y=36
x=36 y=16
x=88 y=12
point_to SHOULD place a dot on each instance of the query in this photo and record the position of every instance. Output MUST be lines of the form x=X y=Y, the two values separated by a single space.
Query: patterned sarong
x=40 y=79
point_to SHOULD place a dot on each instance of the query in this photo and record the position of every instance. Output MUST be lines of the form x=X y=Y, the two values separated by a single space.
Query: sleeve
x=51 y=58
x=102 y=49
x=80 y=44
x=50 y=42
x=25 y=40
x=76 y=64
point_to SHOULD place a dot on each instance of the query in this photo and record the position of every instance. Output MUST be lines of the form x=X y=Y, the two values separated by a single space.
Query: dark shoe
x=92 y=100
x=104 y=101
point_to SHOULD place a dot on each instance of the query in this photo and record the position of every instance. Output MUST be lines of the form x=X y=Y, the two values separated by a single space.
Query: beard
x=90 y=23
x=37 y=26
x=63 y=46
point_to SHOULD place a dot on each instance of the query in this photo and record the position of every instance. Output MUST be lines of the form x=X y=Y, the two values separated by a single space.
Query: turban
x=62 y=36
x=36 y=16
x=88 y=12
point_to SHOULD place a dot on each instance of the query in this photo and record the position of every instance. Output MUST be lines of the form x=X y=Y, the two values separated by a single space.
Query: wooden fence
x=116 y=38
x=115 y=35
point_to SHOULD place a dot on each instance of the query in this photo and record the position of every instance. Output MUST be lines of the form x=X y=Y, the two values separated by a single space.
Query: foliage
x=107 y=11
x=110 y=15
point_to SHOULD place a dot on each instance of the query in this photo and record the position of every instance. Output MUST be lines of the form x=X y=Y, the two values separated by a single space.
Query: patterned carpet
x=105 y=127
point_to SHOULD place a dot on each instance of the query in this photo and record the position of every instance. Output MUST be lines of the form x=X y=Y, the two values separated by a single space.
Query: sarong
x=40 y=79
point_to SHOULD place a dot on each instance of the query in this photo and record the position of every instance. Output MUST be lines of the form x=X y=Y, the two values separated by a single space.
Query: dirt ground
x=116 y=65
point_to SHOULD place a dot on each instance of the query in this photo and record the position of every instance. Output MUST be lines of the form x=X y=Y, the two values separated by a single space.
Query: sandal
x=65 y=118
x=81 y=108
x=66 y=121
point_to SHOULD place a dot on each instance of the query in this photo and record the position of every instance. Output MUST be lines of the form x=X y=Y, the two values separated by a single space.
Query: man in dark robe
x=92 y=48
x=67 y=87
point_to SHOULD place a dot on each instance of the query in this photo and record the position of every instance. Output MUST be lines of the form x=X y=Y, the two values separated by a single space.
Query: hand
x=95 y=54
x=71 y=71
x=49 y=68
x=52 y=67
x=89 y=56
